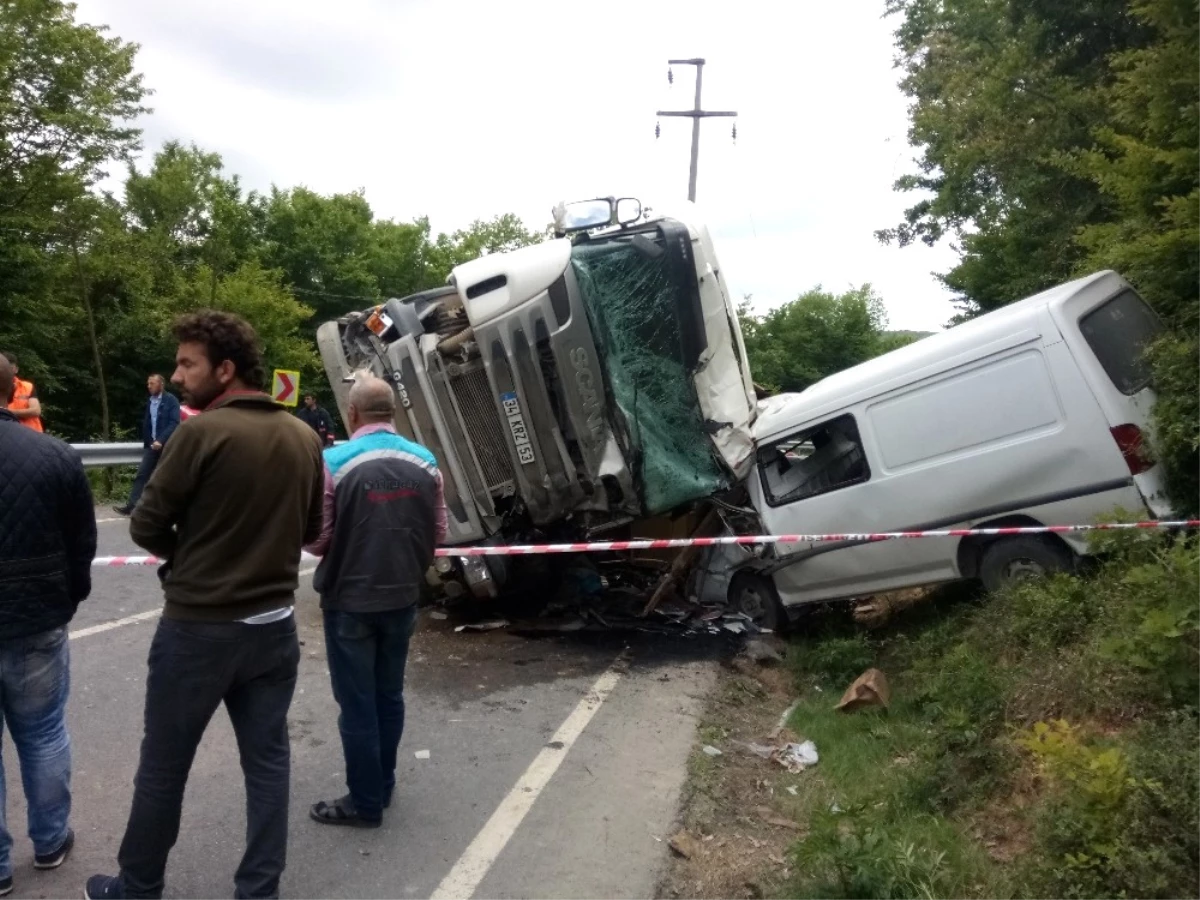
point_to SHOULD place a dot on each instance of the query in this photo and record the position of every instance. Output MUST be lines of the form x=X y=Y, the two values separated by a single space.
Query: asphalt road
x=554 y=764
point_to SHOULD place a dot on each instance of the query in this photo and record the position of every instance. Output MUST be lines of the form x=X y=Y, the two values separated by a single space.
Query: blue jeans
x=367 y=653
x=34 y=683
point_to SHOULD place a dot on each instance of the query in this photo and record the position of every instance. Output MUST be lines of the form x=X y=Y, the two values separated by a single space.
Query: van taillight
x=1129 y=442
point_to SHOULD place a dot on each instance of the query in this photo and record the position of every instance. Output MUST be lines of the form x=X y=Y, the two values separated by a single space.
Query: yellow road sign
x=285 y=387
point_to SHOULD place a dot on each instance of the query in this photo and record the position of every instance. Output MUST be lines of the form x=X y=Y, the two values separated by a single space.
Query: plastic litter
x=422 y=754
x=797 y=757
x=710 y=750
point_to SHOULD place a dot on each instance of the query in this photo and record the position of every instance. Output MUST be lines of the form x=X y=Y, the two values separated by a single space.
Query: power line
x=696 y=113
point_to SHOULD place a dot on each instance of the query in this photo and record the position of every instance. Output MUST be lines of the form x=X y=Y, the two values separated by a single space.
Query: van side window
x=1118 y=331
x=815 y=461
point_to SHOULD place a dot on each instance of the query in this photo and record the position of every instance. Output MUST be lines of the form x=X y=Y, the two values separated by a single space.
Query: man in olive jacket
x=237 y=492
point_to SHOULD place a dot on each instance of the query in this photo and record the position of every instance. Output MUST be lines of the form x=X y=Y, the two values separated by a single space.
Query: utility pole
x=696 y=113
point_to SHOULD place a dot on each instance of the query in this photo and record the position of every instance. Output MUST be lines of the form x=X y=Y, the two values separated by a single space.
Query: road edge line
x=477 y=860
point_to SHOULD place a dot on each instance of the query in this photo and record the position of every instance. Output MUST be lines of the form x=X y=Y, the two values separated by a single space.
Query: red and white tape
x=674 y=543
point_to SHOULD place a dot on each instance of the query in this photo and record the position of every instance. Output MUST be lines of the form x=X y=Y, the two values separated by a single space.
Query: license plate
x=516 y=424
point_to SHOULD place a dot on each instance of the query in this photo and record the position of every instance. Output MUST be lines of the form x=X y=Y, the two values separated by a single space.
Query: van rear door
x=1107 y=327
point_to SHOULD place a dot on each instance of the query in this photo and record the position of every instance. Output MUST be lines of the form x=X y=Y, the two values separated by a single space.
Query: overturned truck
x=567 y=389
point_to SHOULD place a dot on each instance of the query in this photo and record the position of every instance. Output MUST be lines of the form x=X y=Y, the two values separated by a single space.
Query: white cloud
x=466 y=109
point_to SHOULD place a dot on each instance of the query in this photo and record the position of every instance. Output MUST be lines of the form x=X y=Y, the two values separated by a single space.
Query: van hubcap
x=1022 y=569
x=753 y=604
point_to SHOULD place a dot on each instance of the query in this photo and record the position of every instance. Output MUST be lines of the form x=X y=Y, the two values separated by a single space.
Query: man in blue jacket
x=385 y=512
x=160 y=420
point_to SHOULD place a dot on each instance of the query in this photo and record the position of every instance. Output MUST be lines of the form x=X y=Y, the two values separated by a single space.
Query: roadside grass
x=1041 y=742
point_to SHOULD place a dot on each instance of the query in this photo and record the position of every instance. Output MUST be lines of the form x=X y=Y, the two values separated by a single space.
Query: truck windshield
x=638 y=302
x=1119 y=331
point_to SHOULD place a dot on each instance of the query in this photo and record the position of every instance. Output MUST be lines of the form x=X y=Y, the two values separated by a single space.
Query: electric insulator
x=735 y=132
x=670 y=77
x=657 y=130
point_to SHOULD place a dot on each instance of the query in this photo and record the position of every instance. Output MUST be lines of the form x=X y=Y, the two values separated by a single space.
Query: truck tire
x=1017 y=558
x=755 y=595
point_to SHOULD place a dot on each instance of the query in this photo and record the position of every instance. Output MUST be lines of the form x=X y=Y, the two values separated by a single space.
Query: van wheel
x=1020 y=558
x=756 y=597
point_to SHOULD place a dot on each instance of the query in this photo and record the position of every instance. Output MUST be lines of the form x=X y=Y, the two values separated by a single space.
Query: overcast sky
x=465 y=109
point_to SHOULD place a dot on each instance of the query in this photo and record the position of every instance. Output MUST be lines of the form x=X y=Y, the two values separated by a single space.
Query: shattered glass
x=633 y=307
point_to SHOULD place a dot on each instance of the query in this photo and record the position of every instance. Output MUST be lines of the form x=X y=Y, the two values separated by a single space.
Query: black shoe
x=122 y=510
x=5 y=886
x=340 y=812
x=104 y=887
x=56 y=858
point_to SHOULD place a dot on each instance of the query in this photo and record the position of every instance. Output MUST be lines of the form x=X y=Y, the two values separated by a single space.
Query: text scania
x=585 y=381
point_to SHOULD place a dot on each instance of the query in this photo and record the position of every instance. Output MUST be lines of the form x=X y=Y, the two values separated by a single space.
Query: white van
x=1029 y=415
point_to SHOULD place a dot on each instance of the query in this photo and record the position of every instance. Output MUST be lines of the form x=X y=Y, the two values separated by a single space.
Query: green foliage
x=1156 y=627
x=834 y=660
x=852 y=854
x=1056 y=140
x=815 y=335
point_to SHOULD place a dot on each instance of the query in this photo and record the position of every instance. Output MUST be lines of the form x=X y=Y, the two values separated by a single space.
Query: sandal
x=340 y=812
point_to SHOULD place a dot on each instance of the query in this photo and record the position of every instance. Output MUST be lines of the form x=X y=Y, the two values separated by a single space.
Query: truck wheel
x=756 y=596
x=1019 y=558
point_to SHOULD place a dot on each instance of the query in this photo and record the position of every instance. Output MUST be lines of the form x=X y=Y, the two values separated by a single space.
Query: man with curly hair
x=237 y=492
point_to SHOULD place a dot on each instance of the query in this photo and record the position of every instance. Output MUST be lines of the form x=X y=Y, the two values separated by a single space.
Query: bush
x=1117 y=823
x=1176 y=436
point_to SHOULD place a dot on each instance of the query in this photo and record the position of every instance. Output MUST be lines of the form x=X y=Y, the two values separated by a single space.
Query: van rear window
x=1119 y=331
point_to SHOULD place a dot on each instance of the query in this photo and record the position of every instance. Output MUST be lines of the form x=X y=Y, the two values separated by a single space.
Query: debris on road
x=762 y=751
x=684 y=844
x=771 y=817
x=869 y=689
x=485 y=625
x=797 y=757
x=422 y=754
x=710 y=750
x=761 y=651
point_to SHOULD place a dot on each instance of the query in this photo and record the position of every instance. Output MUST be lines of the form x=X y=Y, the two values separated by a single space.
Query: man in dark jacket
x=47 y=543
x=236 y=495
x=318 y=419
x=159 y=422
x=385 y=512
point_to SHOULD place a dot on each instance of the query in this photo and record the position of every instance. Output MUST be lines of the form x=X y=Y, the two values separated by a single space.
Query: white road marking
x=483 y=851
x=130 y=620
x=115 y=623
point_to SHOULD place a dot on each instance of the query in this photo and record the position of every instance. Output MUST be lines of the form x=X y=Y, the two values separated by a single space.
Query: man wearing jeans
x=385 y=513
x=237 y=492
x=47 y=542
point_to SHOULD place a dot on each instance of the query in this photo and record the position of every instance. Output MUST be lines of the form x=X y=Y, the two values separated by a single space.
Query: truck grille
x=483 y=425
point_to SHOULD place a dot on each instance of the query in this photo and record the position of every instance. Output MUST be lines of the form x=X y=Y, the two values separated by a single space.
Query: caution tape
x=677 y=543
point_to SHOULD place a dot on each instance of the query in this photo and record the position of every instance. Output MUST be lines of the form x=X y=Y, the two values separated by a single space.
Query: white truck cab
x=568 y=387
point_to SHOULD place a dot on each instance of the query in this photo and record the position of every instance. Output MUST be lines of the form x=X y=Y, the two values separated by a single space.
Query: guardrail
x=97 y=456
x=100 y=455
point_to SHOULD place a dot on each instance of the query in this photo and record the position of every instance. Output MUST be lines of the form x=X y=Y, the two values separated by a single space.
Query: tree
x=499 y=235
x=1001 y=90
x=815 y=335
x=68 y=98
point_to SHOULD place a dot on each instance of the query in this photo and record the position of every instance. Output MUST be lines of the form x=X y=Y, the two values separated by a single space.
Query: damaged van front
x=566 y=388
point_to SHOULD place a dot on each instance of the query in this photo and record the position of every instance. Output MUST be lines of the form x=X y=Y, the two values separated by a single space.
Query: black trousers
x=194 y=667
x=145 y=470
